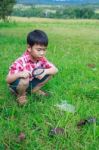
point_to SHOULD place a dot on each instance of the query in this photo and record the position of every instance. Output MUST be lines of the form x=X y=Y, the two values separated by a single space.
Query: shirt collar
x=29 y=58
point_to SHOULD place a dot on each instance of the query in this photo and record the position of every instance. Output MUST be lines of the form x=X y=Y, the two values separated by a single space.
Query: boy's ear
x=29 y=48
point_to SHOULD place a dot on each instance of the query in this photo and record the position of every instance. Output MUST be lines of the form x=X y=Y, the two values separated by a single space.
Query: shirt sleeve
x=46 y=64
x=16 y=67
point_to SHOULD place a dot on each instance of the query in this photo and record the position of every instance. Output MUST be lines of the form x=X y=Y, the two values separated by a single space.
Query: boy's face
x=37 y=51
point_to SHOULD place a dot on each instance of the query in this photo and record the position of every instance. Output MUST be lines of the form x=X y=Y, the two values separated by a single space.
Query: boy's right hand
x=24 y=74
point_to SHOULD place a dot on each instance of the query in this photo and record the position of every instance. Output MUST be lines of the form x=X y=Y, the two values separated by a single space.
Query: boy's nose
x=41 y=53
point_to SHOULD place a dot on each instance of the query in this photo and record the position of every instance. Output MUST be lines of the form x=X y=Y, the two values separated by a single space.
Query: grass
x=73 y=44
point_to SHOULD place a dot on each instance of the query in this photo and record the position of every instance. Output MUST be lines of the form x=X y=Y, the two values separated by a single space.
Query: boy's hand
x=41 y=75
x=24 y=74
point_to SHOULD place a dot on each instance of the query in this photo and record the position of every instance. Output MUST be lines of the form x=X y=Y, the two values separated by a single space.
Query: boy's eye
x=38 y=49
x=41 y=49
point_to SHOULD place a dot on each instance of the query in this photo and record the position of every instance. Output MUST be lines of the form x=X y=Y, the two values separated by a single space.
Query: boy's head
x=37 y=37
x=37 y=41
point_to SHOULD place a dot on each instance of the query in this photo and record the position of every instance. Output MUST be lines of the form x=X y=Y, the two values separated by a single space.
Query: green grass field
x=74 y=49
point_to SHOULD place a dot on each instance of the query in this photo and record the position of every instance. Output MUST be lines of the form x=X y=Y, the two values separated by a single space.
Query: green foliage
x=84 y=13
x=76 y=12
x=6 y=7
x=59 y=12
x=31 y=12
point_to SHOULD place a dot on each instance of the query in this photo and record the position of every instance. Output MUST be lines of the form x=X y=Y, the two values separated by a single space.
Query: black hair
x=37 y=37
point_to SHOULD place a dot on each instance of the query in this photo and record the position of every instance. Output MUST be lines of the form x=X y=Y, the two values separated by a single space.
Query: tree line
x=64 y=12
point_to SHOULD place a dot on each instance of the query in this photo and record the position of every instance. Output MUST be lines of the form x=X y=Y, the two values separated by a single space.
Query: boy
x=21 y=77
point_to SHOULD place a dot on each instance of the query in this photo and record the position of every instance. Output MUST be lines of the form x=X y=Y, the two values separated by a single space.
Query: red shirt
x=25 y=63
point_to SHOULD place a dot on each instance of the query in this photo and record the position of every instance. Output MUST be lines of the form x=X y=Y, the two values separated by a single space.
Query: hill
x=57 y=1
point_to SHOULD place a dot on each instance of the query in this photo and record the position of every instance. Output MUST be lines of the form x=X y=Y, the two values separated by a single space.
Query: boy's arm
x=50 y=71
x=12 y=77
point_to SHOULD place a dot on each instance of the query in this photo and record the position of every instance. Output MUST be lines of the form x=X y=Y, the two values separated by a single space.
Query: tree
x=6 y=7
x=84 y=12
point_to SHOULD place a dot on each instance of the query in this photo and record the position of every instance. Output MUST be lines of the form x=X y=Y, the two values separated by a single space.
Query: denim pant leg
x=36 y=82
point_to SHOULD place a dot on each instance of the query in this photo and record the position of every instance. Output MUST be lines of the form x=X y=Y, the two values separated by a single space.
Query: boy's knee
x=24 y=82
x=56 y=71
x=45 y=81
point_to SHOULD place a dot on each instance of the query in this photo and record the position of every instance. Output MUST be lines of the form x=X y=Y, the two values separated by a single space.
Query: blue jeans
x=32 y=84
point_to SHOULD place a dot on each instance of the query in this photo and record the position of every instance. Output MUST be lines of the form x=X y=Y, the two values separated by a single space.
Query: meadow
x=74 y=49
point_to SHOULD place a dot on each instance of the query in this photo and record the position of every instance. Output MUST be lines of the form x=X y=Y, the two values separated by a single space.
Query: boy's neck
x=31 y=57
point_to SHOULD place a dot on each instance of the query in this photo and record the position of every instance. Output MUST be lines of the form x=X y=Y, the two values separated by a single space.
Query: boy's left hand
x=41 y=75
